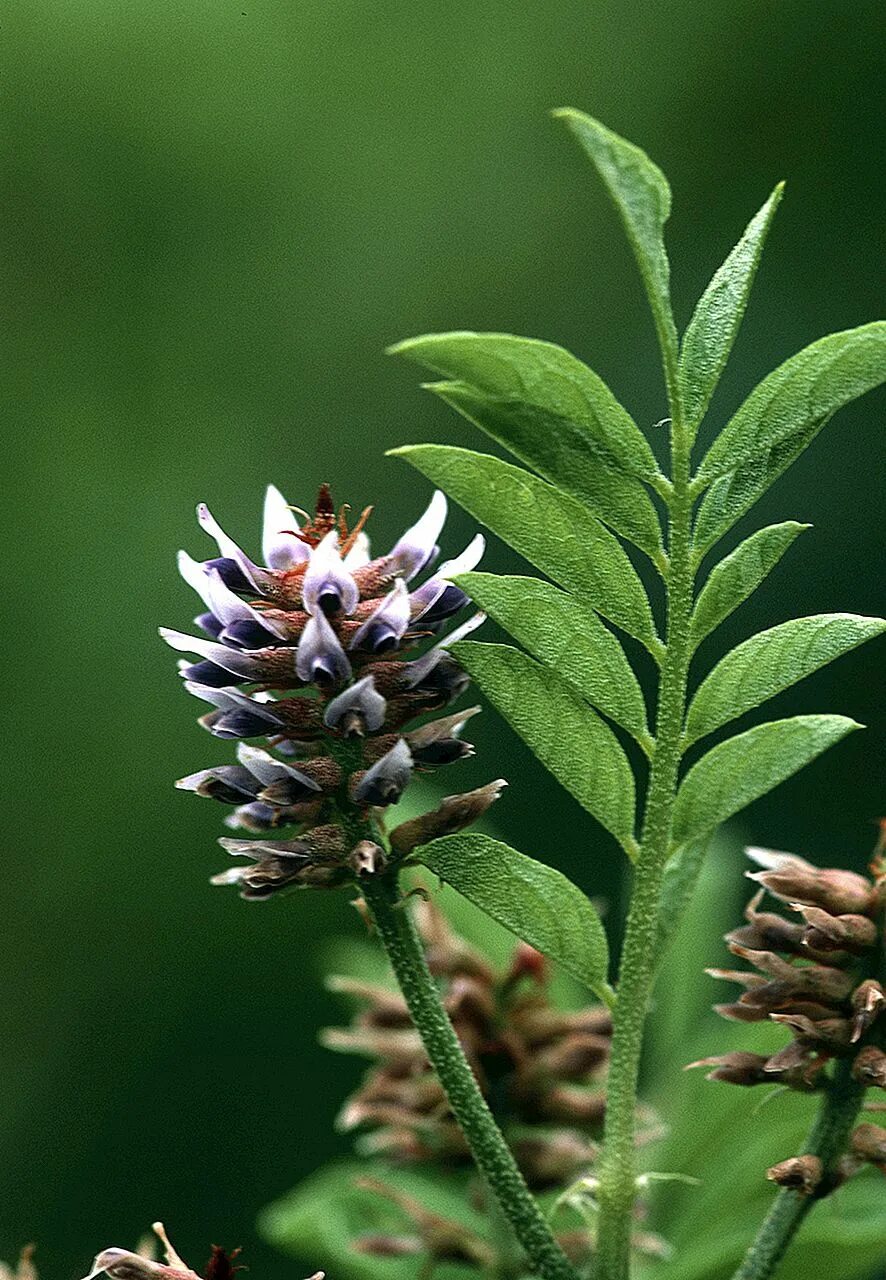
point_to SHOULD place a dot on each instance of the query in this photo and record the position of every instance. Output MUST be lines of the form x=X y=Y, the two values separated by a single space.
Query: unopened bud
x=526 y=962
x=869 y=1067
x=573 y=1058
x=800 y=1173
x=827 y=1033
x=868 y=1143
x=868 y=1002
x=389 y=1246
x=828 y=932
x=367 y=858
x=454 y=813
x=837 y=891
x=569 y=1104
x=553 y=1157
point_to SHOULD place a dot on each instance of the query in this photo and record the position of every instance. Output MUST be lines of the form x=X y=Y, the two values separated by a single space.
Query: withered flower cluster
x=820 y=976
x=328 y=627
x=542 y=1069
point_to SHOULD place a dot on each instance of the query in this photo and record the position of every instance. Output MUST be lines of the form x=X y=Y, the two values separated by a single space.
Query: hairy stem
x=488 y=1147
x=827 y=1140
x=617 y=1190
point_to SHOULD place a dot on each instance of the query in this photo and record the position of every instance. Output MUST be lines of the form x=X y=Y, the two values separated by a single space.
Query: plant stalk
x=488 y=1147
x=617 y=1189
x=827 y=1140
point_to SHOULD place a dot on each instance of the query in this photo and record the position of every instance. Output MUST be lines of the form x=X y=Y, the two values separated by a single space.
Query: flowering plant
x=339 y=653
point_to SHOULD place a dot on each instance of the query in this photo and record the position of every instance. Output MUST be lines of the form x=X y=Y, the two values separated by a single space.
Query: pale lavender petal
x=388 y=778
x=232 y=876
x=195 y=576
x=427 y=595
x=319 y=655
x=328 y=586
x=268 y=770
x=229 y=549
x=229 y=608
x=774 y=859
x=421 y=667
x=240 y=662
x=360 y=699
x=385 y=626
x=281 y=549
x=358 y=556
x=412 y=552
x=231 y=699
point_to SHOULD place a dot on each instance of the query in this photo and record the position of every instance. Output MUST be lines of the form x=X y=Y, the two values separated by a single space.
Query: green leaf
x=534 y=901
x=567 y=636
x=538 y=376
x=708 y=339
x=732 y=495
x=553 y=531
x=558 y=450
x=569 y=738
x=802 y=392
x=319 y=1221
x=642 y=197
x=735 y=578
x=740 y=770
x=771 y=661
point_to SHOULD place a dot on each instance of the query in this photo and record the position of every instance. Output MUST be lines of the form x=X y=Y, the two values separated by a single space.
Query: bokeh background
x=215 y=216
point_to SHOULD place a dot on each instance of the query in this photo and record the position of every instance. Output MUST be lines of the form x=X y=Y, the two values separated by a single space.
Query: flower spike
x=321 y=657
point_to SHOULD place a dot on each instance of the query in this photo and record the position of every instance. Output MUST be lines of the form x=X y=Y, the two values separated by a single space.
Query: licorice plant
x=354 y=644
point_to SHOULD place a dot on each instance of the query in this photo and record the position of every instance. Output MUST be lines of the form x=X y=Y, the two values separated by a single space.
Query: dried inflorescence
x=328 y=627
x=818 y=975
x=542 y=1069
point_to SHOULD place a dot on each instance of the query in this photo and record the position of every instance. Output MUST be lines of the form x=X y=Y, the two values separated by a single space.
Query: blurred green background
x=215 y=215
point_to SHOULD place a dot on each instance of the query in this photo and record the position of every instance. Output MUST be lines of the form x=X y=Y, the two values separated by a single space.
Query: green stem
x=445 y=1054
x=617 y=1189
x=827 y=1140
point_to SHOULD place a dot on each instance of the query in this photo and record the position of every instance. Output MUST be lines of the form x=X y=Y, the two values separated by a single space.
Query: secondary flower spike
x=325 y=655
x=818 y=976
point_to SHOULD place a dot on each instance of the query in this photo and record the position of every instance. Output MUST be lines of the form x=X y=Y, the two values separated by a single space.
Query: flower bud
x=869 y=1067
x=800 y=1173
x=455 y=813
x=868 y=1002
x=827 y=932
x=868 y=1142
x=840 y=892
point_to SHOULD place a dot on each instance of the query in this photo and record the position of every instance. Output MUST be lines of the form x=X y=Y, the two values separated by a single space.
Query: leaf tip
x=400 y=348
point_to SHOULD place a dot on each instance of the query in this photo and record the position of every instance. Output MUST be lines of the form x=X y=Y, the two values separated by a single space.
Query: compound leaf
x=740 y=770
x=569 y=738
x=534 y=901
x=567 y=636
x=772 y=661
x=553 y=531
x=641 y=195
x=739 y=574
x=708 y=339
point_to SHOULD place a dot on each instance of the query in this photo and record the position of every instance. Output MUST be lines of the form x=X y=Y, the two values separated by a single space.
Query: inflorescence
x=336 y=632
x=819 y=976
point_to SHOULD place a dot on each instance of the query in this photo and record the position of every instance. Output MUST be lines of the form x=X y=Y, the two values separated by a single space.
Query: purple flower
x=321 y=653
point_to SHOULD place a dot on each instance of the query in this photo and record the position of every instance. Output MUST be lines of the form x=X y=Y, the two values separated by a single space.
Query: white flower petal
x=326 y=576
x=412 y=552
x=280 y=548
